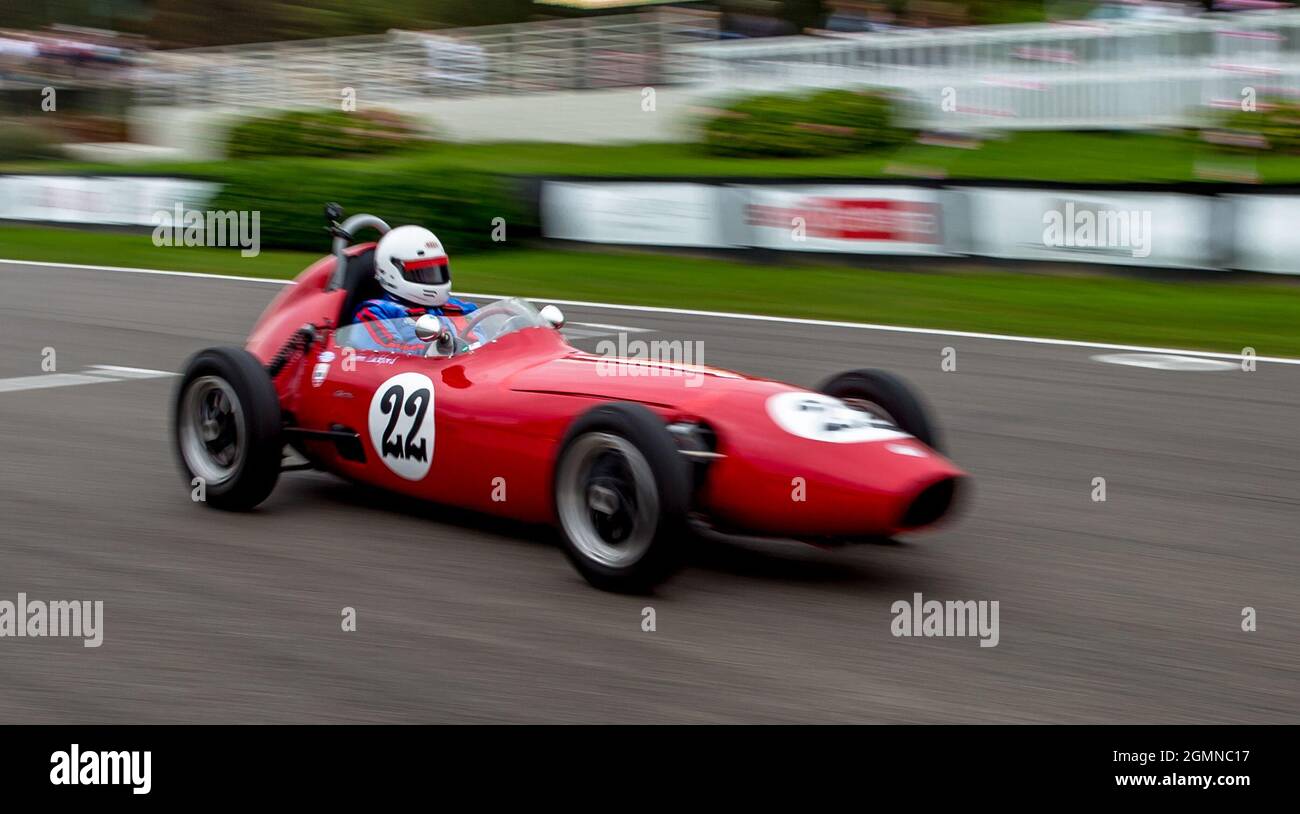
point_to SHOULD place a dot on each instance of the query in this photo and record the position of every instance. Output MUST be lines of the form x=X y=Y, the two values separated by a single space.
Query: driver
x=412 y=267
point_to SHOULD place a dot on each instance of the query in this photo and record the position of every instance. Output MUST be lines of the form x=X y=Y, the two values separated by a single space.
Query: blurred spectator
x=61 y=53
x=1141 y=10
x=16 y=55
x=850 y=17
x=1247 y=5
x=756 y=18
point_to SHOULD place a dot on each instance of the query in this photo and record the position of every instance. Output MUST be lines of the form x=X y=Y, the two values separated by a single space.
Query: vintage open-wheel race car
x=500 y=414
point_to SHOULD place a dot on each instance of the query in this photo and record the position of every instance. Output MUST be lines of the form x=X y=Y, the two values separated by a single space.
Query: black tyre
x=226 y=427
x=886 y=396
x=622 y=492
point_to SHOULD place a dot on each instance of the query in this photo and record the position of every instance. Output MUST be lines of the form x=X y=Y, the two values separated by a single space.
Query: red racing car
x=623 y=456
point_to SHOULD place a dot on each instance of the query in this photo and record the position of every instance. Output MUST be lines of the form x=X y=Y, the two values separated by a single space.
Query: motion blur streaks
x=1123 y=610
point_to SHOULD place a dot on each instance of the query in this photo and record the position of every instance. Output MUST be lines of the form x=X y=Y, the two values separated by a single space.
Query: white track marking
x=578 y=333
x=1164 y=361
x=119 y=372
x=867 y=326
x=48 y=380
x=689 y=312
x=130 y=270
x=96 y=374
x=591 y=330
x=627 y=328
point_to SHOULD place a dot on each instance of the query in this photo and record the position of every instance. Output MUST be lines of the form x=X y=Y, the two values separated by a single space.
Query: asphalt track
x=1127 y=610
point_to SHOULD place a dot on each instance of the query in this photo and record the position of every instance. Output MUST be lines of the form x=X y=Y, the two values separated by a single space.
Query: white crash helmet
x=411 y=264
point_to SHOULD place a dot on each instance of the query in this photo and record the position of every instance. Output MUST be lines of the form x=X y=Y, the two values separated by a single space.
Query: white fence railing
x=1057 y=75
x=1098 y=75
x=1151 y=96
x=616 y=51
x=1035 y=48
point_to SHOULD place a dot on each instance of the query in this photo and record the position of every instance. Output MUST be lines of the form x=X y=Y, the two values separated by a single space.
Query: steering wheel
x=513 y=323
x=520 y=318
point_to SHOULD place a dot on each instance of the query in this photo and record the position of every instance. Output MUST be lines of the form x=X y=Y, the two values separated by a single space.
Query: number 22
x=417 y=404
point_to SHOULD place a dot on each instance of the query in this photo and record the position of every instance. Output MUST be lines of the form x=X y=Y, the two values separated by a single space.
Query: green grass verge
x=1032 y=156
x=1224 y=315
x=92 y=248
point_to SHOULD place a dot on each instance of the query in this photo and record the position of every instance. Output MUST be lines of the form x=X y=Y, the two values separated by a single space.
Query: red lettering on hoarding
x=854 y=219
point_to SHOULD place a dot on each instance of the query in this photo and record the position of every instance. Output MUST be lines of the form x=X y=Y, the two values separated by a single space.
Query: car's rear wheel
x=887 y=396
x=622 y=493
x=226 y=427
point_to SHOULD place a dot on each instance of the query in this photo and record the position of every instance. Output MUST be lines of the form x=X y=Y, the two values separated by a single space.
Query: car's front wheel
x=622 y=493
x=226 y=427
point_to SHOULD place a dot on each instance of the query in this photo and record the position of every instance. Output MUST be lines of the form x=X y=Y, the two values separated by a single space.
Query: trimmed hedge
x=1274 y=125
x=459 y=206
x=831 y=122
x=321 y=134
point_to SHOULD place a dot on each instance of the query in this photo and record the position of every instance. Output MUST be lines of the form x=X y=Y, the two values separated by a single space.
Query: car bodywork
x=486 y=435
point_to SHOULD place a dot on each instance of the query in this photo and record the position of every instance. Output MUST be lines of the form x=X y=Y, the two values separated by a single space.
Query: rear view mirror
x=553 y=315
x=430 y=329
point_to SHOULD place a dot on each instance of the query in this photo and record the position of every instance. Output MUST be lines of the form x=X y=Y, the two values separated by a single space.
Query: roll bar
x=343 y=234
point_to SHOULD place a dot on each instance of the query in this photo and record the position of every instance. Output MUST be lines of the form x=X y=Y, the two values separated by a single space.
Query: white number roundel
x=401 y=424
x=819 y=417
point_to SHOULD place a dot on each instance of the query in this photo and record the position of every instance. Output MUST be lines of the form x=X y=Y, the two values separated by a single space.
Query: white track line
x=602 y=325
x=95 y=374
x=690 y=312
x=130 y=270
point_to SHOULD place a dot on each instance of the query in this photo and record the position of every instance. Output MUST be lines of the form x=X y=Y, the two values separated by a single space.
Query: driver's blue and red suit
x=390 y=322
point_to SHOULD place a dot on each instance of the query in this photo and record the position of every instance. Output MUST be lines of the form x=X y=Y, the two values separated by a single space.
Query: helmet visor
x=424 y=271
